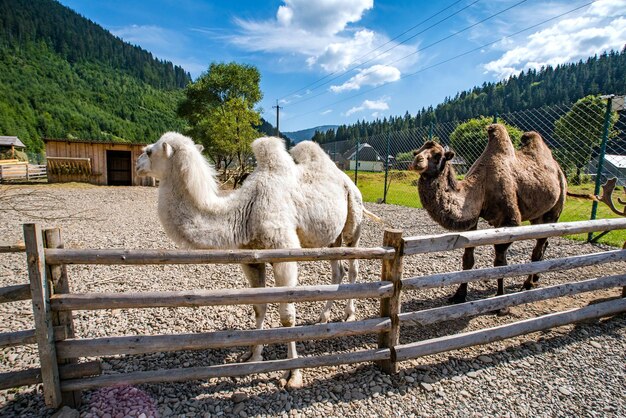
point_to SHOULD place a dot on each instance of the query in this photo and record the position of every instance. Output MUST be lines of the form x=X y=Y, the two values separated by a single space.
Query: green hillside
x=49 y=88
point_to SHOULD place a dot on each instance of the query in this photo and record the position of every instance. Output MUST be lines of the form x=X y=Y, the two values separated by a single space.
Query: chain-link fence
x=588 y=139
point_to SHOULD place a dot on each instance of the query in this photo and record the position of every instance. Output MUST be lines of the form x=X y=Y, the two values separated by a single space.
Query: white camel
x=289 y=201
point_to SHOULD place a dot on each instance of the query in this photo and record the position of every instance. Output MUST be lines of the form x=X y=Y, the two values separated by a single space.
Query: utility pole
x=277 y=118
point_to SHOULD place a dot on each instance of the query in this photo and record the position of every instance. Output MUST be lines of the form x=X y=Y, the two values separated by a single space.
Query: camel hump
x=309 y=152
x=499 y=139
x=270 y=154
x=532 y=141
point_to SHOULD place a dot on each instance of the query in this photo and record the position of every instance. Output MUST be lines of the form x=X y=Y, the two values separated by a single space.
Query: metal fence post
x=605 y=138
x=386 y=168
x=356 y=162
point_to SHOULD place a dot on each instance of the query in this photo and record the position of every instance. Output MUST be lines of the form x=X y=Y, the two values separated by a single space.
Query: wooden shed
x=96 y=162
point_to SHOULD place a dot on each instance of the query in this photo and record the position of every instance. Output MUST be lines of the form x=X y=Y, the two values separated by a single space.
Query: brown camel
x=504 y=187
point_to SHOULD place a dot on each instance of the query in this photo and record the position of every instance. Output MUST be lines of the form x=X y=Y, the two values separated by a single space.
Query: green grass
x=403 y=191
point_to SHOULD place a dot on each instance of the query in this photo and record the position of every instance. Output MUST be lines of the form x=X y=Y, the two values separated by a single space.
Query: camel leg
x=286 y=274
x=338 y=271
x=460 y=296
x=500 y=260
x=537 y=255
x=255 y=274
x=353 y=274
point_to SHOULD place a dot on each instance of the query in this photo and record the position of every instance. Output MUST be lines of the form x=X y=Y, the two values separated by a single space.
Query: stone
x=564 y=391
x=596 y=344
x=238 y=397
x=427 y=386
x=485 y=359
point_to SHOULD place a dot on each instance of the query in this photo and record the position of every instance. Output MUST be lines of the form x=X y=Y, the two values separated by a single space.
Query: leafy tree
x=579 y=133
x=219 y=107
x=469 y=139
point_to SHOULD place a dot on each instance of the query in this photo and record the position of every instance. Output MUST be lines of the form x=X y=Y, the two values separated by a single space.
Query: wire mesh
x=587 y=138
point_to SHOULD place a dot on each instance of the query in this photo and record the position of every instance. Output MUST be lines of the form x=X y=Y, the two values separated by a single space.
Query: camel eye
x=149 y=152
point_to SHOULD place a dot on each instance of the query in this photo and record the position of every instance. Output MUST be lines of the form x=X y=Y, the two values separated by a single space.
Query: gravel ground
x=576 y=370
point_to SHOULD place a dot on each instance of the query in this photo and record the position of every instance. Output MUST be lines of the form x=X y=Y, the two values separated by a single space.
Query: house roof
x=366 y=153
x=618 y=161
x=8 y=141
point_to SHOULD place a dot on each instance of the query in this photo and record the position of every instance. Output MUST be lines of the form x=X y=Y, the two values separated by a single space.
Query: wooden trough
x=54 y=304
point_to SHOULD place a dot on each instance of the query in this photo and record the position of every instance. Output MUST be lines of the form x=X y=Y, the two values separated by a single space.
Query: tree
x=579 y=133
x=469 y=139
x=219 y=107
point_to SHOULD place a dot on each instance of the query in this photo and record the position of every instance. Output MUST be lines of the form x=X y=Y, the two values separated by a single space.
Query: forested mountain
x=604 y=74
x=306 y=134
x=63 y=76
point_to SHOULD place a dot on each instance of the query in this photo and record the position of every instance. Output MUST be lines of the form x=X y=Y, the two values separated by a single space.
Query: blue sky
x=330 y=62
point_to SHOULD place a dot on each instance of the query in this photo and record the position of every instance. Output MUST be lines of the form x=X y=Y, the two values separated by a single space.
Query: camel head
x=156 y=159
x=430 y=159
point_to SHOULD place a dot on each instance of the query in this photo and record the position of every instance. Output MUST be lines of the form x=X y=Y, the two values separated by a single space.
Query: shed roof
x=366 y=153
x=11 y=141
x=91 y=141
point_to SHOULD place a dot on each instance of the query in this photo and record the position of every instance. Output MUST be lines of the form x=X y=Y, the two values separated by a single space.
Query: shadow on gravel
x=262 y=394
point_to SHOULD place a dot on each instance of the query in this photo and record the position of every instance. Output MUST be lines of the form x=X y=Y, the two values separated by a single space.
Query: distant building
x=368 y=158
x=8 y=146
x=96 y=162
x=613 y=166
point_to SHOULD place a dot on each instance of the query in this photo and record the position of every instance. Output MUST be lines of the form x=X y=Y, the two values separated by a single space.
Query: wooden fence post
x=40 y=293
x=60 y=285
x=390 y=307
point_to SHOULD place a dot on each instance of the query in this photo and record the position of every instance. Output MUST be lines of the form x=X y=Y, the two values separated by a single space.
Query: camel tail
x=583 y=196
x=375 y=217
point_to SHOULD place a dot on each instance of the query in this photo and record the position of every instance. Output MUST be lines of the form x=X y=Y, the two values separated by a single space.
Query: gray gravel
x=570 y=371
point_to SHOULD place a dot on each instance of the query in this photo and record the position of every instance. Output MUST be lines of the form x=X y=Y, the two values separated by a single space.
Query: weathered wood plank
x=557 y=264
x=194 y=298
x=67 y=256
x=14 y=293
x=40 y=292
x=226 y=370
x=13 y=338
x=446 y=313
x=390 y=307
x=452 y=241
x=60 y=285
x=140 y=344
x=33 y=376
x=18 y=247
x=485 y=336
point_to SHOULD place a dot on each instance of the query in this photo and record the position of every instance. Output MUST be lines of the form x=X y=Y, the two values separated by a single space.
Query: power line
x=447 y=60
x=422 y=49
x=380 y=46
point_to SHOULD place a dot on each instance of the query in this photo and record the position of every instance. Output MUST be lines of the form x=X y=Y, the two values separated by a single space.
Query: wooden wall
x=96 y=151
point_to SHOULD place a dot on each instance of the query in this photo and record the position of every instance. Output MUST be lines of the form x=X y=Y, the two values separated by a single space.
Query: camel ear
x=167 y=150
x=200 y=147
x=449 y=155
x=414 y=153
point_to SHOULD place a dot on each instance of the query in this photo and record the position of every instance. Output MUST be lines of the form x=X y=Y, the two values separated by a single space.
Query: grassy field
x=403 y=191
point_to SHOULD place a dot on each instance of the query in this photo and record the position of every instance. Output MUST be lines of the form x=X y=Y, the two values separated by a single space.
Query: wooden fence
x=22 y=171
x=54 y=304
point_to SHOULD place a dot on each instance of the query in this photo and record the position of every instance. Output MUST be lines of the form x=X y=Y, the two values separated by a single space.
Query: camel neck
x=451 y=203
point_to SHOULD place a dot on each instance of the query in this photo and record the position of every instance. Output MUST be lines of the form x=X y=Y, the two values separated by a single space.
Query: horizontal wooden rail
x=489 y=335
x=557 y=264
x=490 y=236
x=14 y=293
x=447 y=313
x=13 y=338
x=18 y=247
x=90 y=256
x=33 y=376
x=194 y=298
x=141 y=344
x=225 y=370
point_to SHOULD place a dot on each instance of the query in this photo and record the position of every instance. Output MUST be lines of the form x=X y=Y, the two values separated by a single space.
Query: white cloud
x=372 y=76
x=327 y=16
x=380 y=104
x=326 y=112
x=321 y=33
x=598 y=29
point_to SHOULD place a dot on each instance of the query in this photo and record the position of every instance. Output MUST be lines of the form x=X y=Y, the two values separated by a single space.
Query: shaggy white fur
x=289 y=201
